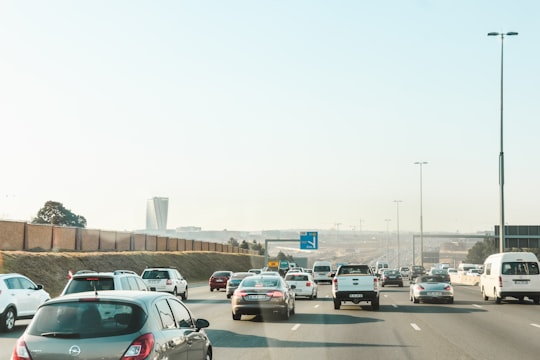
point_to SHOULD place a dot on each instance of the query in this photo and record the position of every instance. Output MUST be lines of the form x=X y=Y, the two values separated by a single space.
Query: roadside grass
x=51 y=268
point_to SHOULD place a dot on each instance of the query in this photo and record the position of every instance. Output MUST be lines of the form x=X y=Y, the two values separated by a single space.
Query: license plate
x=434 y=293
x=219 y=280
x=521 y=282
x=356 y=295
x=256 y=297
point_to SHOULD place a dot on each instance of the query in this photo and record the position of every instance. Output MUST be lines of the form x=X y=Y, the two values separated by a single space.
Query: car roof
x=134 y=296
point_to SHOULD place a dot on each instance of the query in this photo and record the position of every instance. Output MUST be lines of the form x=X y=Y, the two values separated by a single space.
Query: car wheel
x=451 y=301
x=536 y=300
x=208 y=354
x=415 y=300
x=382 y=284
x=337 y=304
x=375 y=305
x=8 y=320
x=175 y=292
x=236 y=316
x=211 y=289
x=228 y=296
x=184 y=295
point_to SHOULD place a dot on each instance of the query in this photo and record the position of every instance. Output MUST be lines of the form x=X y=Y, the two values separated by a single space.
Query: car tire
x=375 y=305
x=498 y=299
x=337 y=304
x=175 y=292
x=451 y=301
x=236 y=316
x=211 y=289
x=415 y=300
x=184 y=295
x=536 y=300
x=208 y=354
x=286 y=314
x=8 y=320
x=228 y=296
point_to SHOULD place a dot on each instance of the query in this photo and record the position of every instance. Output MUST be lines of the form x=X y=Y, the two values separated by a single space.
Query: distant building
x=157 y=209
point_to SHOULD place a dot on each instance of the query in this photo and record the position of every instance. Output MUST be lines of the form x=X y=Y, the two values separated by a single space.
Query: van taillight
x=140 y=348
x=500 y=281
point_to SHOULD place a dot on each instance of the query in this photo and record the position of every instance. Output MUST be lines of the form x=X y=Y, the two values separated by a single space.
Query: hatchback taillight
x=308 y=284
x=447 y=288
x=140 y=348
x=20 y=352
x=169 y=282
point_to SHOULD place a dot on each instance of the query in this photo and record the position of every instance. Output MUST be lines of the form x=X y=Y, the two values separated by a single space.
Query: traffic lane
x=479 y=329
x=8 y=339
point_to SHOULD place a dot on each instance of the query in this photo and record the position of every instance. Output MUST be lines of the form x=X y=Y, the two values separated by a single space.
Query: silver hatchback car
x=119 y=324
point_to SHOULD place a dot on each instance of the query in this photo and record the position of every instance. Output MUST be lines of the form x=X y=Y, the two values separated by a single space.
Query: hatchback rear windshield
x=292 y=277
x=80 y=320
x=90 y=283
x=321 y=268
x=520 y=268
x=221 y=274
x=156 y=274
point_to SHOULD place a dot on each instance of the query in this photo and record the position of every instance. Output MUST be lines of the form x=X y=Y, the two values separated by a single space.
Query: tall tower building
x=156 y=213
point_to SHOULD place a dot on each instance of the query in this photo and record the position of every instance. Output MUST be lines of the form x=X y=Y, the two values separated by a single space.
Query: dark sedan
x=391 y=277
x=260 y=295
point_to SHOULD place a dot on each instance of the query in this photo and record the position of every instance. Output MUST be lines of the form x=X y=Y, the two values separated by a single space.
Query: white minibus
x=511 y=274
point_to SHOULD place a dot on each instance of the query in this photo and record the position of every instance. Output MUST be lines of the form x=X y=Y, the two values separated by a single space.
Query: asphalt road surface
x=471 y=328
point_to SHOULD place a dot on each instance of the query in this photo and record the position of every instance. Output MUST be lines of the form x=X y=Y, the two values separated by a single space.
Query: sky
x=261 y=115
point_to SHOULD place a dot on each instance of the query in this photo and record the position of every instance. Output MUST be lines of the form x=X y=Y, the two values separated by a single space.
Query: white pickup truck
x=355 y=283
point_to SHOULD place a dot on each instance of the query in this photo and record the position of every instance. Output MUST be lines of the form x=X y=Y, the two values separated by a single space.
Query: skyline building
x=157 y=209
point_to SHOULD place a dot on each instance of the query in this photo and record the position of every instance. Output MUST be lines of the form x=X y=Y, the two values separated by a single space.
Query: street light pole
x=397 y=221
x=502 y=229
x=421 y=215
x=387 y=237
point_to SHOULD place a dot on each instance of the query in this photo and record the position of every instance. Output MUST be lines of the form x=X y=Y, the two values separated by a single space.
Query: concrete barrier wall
x=15 y=235
x=38 y=237
x=465 y=280
x=12 y=235
x=64 y=238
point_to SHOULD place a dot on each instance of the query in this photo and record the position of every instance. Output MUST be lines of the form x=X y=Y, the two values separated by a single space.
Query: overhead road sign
x=309 y=240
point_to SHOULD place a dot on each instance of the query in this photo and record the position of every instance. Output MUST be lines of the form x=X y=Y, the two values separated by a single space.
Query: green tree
x=244 y=245
x=55 y=213
x=257 y=247
x=481 y=250
x=234 y=242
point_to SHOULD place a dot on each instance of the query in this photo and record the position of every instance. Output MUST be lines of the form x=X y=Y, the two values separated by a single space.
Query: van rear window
x=520 y=268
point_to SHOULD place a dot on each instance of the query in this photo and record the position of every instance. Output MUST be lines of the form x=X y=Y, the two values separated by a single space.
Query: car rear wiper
x=58 y=334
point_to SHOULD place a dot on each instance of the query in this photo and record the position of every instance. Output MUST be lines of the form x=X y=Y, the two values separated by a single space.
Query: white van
x=511 y=274
x=322 y=271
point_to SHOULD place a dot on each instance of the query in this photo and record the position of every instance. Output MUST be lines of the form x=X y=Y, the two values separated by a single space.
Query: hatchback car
x=218 y=280
x=114 y=325
x=20 y=298
x=431 y=288
x=166 y=279
x=391 y=277
x=304 y=285
x=86 y=280
x=263 y=295
x=234 y=281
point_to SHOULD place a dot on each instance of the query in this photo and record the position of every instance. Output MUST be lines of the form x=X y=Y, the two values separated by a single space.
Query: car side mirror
x=201 y=324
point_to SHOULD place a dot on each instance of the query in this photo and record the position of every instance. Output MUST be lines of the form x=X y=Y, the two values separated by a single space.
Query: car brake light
x=335 y=281
x=169 y=282
x=500 y=281
x=419 y=287
x=239 y=293
x=140 y=348
x=20 y=352
x=448 y=287
x=375 y=283
x=275 y=294
x=308 y=284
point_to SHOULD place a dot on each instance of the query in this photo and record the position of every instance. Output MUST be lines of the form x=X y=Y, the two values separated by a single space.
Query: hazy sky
x=252 y=115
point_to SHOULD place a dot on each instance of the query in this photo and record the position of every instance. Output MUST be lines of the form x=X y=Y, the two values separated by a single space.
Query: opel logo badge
x=74 y=350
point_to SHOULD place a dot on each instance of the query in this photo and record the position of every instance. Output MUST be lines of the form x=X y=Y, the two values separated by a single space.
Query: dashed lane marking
x=415 y=327
x=295 y=327
x=535 y=325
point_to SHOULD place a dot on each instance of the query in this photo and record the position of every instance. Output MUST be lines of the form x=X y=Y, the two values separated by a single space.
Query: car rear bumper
x=257 y=309
x=356 y=295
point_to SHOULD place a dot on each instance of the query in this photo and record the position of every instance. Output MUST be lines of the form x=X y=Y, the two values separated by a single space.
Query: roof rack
x=116 y=272
x=161 y=267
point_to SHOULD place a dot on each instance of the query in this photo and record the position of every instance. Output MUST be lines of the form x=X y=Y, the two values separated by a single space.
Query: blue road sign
x=309 y=240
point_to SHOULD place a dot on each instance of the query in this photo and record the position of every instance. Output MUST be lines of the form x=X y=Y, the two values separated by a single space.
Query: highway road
x=471 y=328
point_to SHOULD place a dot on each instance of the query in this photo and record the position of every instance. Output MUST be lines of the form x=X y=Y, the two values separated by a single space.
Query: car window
x=156 y=274
x=260 y=282
x=165 y=314
x=181 y=314
x=13 y=283
x=87 y=320
x=81 y=284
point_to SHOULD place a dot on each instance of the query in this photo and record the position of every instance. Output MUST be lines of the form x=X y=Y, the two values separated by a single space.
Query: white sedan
x=304 y=284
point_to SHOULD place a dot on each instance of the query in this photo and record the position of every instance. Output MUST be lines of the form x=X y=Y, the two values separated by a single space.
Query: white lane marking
x=478 y=306
x=295 y=327
x=394 y=305
x=415 y=327
x=535 y=325
x=385 y=296
x=316 y=306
